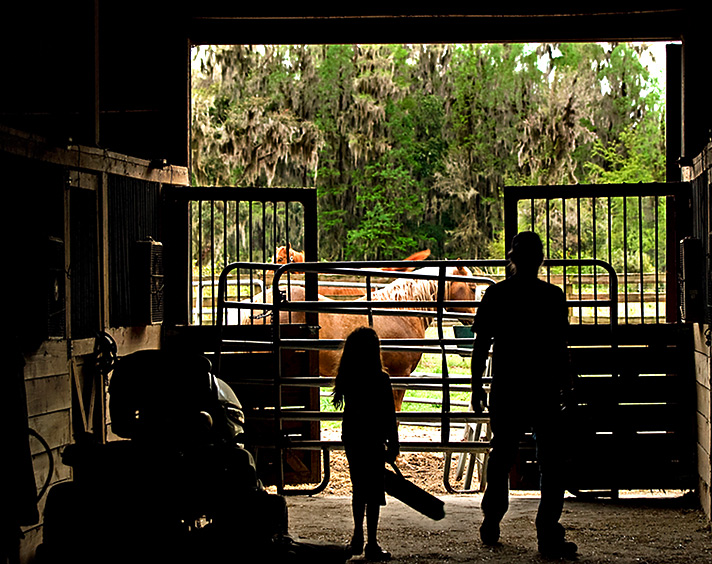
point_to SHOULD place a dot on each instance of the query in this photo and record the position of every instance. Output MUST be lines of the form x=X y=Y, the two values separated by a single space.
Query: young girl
x=369 y=432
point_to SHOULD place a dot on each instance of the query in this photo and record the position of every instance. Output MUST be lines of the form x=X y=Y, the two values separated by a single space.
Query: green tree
x=410 y=145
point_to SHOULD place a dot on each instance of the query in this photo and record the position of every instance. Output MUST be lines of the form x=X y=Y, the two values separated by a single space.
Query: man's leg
x=551 y=457
x=495 y=501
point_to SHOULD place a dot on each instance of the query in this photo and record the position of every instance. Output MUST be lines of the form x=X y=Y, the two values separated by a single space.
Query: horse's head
x=283 y=256
x=280 y=256
x=461 y=291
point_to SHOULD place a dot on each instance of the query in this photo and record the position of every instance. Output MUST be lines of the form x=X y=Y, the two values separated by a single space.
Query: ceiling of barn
x=214 y=22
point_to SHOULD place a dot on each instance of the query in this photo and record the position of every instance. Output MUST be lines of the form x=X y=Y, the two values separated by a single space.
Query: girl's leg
x=373 y=551
x=358 y=509
x=373 y=511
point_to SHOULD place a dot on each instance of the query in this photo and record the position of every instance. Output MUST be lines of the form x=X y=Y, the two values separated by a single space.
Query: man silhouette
x=525 y=320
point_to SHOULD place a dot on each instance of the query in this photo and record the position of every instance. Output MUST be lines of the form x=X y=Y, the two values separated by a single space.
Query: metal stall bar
x=358 y=268
x=246 y=232
x=444 y=346
x=619 y=202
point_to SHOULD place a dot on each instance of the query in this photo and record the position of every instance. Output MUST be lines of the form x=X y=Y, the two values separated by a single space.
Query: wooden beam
x=219 y=26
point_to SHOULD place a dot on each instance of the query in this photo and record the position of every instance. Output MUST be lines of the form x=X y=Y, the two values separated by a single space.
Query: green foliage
x=409 y=146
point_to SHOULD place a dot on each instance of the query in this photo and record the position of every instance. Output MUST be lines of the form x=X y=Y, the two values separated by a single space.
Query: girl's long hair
x=361 y=356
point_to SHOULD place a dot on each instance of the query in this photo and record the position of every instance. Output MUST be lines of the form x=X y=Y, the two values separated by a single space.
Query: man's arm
x=480 y=353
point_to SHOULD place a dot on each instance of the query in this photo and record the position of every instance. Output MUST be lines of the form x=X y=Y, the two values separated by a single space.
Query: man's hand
x=392 y=452
x=479 y=400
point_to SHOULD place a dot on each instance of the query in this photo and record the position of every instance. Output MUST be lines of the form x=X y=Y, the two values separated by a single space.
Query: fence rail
x=623 y=224
x=445 y=417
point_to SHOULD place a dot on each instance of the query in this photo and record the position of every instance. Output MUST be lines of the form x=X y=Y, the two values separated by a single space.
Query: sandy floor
x=640 y=527
x=636 y=528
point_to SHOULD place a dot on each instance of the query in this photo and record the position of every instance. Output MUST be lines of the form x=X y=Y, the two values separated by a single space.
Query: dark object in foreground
x=182 y=488
x=412 y=495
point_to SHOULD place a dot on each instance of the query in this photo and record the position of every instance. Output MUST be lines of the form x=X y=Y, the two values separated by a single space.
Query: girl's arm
x=392 y=441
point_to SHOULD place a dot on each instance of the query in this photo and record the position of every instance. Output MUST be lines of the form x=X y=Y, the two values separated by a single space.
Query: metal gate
x=635 y=426
x=248 y=345
x=634 y=422
x=212 y=227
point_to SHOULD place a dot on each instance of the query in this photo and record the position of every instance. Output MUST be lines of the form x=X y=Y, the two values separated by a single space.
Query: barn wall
x=60 y=285
x=104 y=84
x=704 y=429
x=700 y=173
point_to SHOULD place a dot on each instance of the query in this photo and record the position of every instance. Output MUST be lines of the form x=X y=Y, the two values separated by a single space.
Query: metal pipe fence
x=439 y=345
x=624 y=225
x=230 y=225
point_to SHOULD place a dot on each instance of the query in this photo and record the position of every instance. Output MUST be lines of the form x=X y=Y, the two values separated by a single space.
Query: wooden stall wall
x=700 y=174
x=704 y=429
x=62 y=274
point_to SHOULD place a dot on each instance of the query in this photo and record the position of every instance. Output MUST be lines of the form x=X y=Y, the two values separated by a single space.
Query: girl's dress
x=369 y=428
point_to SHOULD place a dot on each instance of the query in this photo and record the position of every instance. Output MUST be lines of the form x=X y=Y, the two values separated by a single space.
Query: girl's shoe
x=375 y=553
x=356 y=545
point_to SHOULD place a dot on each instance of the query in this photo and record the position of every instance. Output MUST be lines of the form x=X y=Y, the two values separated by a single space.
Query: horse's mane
x=421 y=290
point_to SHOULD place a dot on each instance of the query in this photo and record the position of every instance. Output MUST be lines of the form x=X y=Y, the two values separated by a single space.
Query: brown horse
x=397 y=363
x=292 y=293
x=338 y=326
x=285 y=254
x=420 y=255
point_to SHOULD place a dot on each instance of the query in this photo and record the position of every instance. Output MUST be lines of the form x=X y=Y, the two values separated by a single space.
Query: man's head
x=527 y=252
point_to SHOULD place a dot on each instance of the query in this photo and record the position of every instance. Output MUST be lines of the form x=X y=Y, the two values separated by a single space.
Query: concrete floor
x=639 y=527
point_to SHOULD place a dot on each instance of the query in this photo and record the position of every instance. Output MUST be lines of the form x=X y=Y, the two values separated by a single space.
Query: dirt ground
x=641 y=527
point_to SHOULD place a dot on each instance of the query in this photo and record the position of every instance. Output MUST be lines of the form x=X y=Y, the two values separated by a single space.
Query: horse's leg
x=398 y=395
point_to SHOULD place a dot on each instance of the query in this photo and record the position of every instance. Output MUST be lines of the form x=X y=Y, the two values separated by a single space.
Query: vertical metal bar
x=250 y=258
x=251 y=231
x=225 y=252
x=445 y=422
x=610 y=248
x=265 y=239
x=368 y=299
x=548 y=236
x=277 y=352
x=311 y=243
x=275 y=231
x=580 y=272
x=510 y=216
x=264 y=244
x=213 y=303
x=191 y=253
x=625 y=256
x=289 y=246
x=200 y=262
x=656 y=265
x=640 y=259
x=563 y=242
x=531 y=215
x=594 y=225
x=238 y=241
x=224 y=221
x=286 y=223
x=222 y=290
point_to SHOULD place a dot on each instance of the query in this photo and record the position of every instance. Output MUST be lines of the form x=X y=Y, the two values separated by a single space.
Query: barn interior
x=95 y=147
